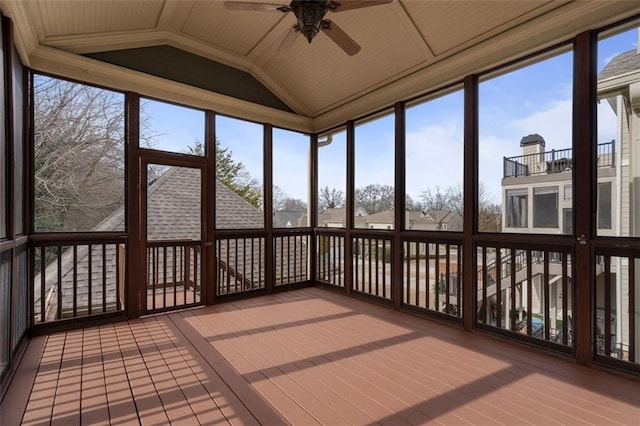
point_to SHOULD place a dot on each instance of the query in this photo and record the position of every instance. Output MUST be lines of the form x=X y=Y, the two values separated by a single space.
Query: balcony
x=554 y=161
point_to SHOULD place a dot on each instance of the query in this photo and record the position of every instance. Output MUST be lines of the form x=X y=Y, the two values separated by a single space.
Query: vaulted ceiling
x=408 y=47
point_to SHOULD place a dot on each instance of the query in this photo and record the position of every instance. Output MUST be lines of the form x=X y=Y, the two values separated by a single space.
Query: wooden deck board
x=304 y=357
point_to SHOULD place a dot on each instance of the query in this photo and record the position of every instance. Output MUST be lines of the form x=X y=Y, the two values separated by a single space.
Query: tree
x=412 y=205
x=78 y=154
x=438 y=200
x=292 y=205
x=79 y=145
x=282 y=201
x=489 y=214
x=330 y=199
x=375 y=198
x=233 y=174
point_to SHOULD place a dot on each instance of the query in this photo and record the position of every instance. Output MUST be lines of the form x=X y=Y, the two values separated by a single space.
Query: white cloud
x=434 y=157
x=553 y=122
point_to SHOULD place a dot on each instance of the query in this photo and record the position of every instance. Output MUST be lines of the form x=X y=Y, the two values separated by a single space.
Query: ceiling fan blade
x=340 y=38
x=258 y=7
x=287 y=41
x=342 y=5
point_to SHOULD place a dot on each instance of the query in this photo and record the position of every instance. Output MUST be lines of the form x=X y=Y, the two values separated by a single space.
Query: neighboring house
x=537 y=189
x=289 y=219
x=173 y=214
x=538 y=193
x=336 y=218
x=434 y=220
x=537 y=197
x=380 y=220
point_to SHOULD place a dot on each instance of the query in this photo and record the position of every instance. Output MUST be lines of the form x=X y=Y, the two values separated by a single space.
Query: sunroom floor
x=303 y=357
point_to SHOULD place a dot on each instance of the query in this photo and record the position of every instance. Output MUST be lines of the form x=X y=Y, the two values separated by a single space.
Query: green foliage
x=231 y=173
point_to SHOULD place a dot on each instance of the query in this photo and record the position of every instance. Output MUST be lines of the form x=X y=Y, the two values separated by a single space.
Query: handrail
x=554 y=161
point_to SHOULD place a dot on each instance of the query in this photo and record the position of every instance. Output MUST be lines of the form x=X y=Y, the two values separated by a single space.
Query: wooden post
x=399 y=204
x=471 y=210
x=584 y=131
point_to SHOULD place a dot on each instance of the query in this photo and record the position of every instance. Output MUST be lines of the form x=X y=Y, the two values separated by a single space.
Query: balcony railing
x=530 y=294
x=433 y=277
x=173 y=274
x=372 y=266
x=77 y=278
x=616 y=312
x=330 y=260
x=554 y=161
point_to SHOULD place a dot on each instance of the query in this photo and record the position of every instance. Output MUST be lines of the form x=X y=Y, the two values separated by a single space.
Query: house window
x=604 y=205
x=516 y=208
x=545 y=207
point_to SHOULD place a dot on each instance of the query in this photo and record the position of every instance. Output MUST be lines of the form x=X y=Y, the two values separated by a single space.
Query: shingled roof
x=621 y=64
x=173 y=203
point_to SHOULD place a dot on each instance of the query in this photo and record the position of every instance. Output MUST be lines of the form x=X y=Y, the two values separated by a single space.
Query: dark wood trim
x=6 y=170
x=135 y=253
x=222 y=234
x=397 y=271
x=268 y=207
x=584 y=132
x=7 y=40
x=205 y=186
x=506 y=238
x=293 y=286
x=350 y=208
x=172 y=158
x=210 y=277
x=523 y=338
x=531 y=242
x=313 y=204
x=241 y=295
x=470 y=201
x=432 y=315
x=80 y=238
x=29 y=188
x=79 y=322
x=443 y=237
x=28 y=157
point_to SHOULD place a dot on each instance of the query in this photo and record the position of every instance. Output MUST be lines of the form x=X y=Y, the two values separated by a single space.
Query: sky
x=533 y=99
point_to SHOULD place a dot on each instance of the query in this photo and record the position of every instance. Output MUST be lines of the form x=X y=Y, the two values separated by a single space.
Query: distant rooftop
x=621 y=64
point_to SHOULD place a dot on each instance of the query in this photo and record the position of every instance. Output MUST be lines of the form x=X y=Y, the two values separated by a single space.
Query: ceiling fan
x=310 y=15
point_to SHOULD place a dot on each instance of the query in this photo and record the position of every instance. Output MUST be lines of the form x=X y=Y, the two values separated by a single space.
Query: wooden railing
x=240 y=263
x=617 y=310
x=77 y=277
x=330 y=259
x=174 y=274
x=531 y=294
x=433 y=276
x=291 y=255
x=372 y=257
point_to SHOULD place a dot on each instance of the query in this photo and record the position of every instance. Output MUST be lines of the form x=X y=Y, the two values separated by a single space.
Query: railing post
x=399 y=206
x=470 y=200
x=585 y=118
x=136 y=257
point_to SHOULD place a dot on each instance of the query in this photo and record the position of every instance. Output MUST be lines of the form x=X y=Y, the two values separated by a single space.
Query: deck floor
x=303 y=357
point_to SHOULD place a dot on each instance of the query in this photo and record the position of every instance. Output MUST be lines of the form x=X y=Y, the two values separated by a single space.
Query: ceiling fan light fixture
x=309 y=15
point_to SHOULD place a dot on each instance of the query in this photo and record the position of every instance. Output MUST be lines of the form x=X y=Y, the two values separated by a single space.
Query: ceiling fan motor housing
x=309 y=14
